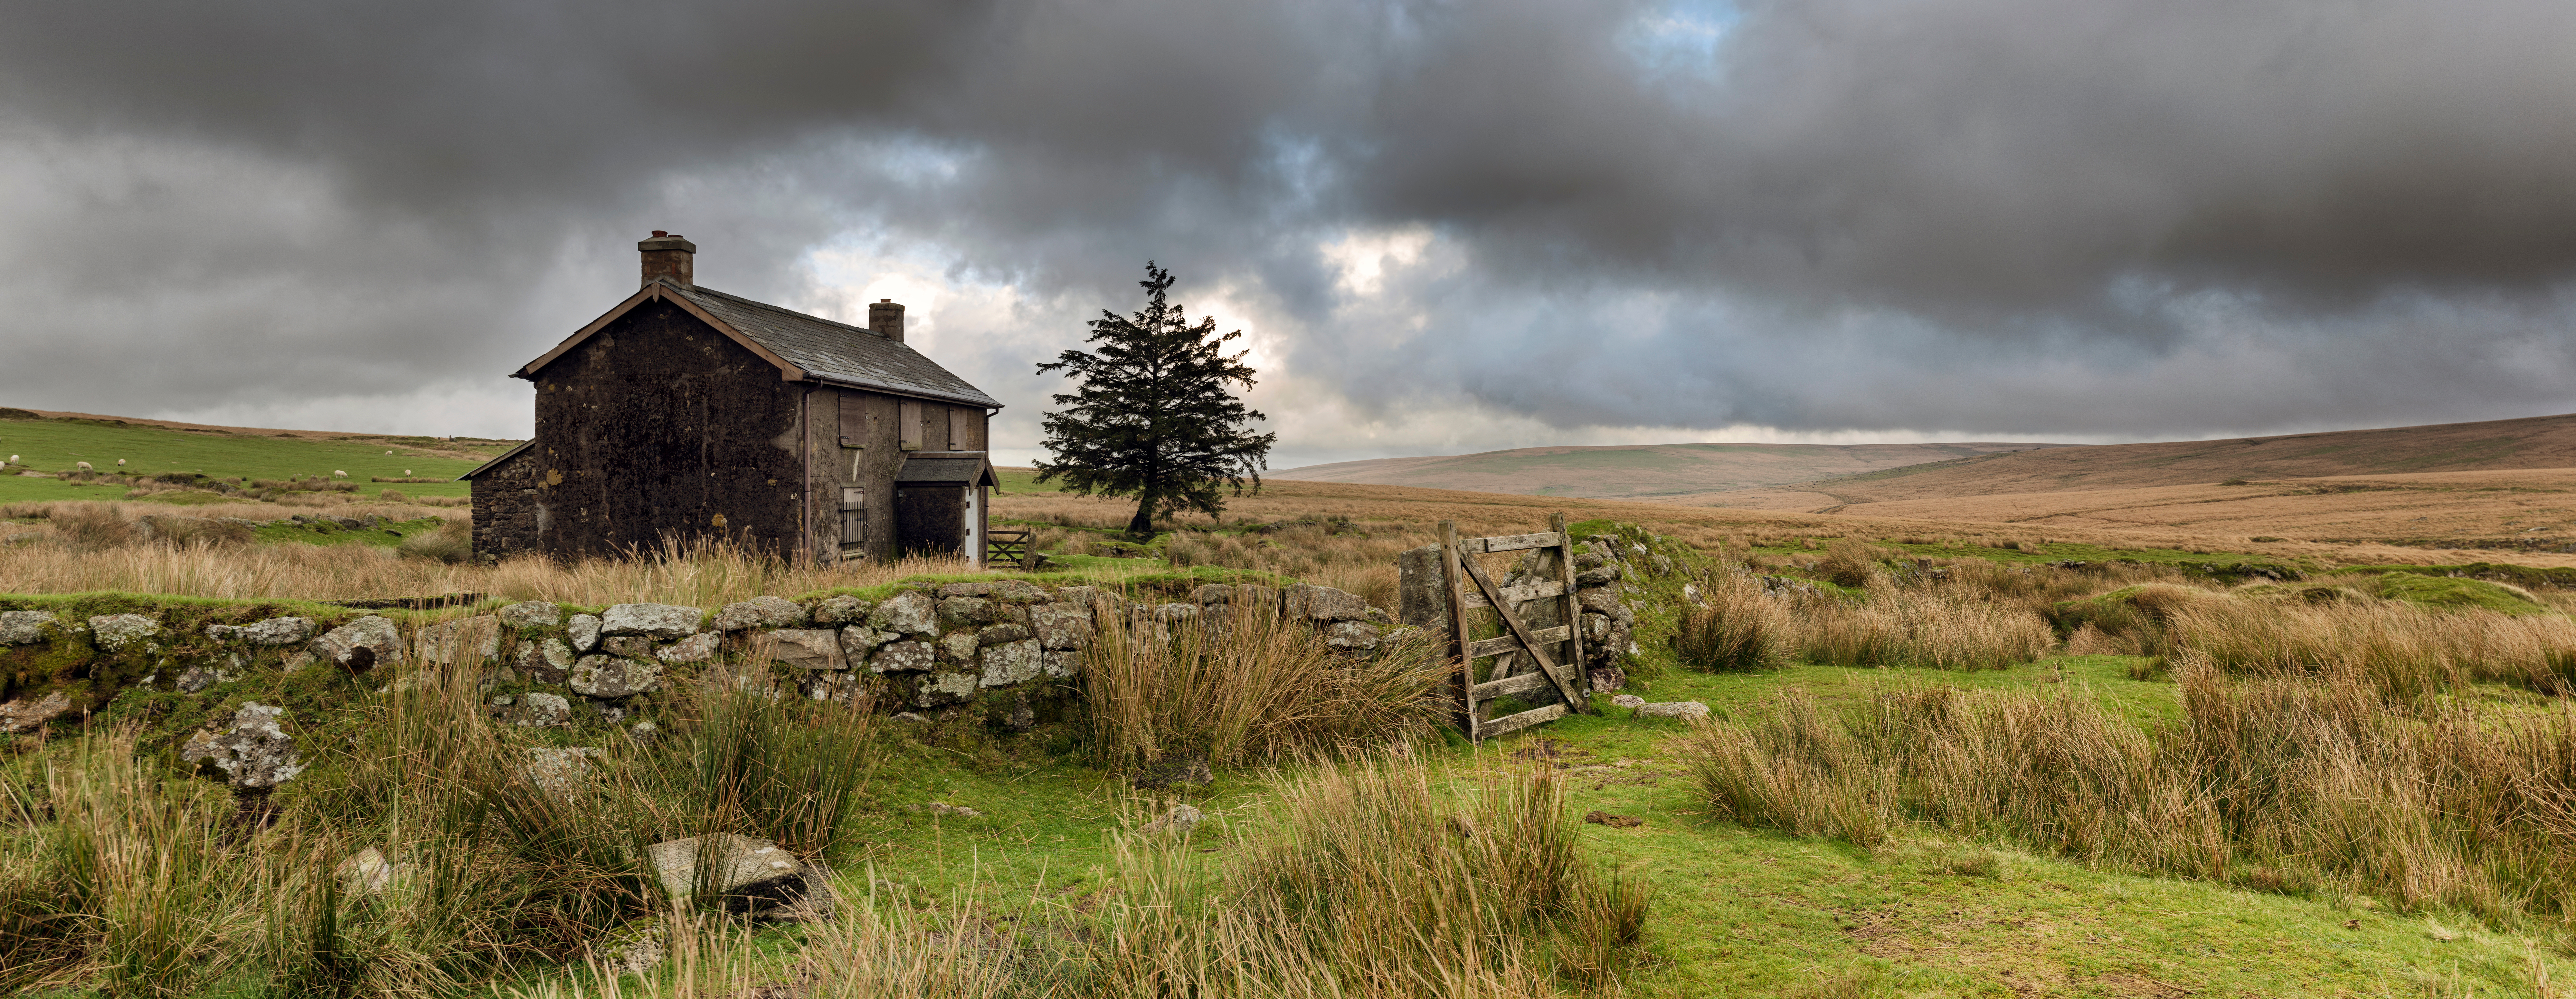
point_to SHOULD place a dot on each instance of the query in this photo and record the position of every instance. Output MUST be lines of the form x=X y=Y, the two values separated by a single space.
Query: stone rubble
x=252 y=751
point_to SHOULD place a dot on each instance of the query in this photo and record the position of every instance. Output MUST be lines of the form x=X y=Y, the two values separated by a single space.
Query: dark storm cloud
x=1819 y=214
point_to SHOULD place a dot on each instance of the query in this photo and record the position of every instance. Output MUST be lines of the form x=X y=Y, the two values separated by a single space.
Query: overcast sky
x=1443 y=226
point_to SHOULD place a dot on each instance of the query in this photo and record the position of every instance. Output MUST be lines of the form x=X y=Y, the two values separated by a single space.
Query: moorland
x=1945 y=756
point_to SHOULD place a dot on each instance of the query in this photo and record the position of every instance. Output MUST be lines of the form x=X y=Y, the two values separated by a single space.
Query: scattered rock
x=760 y=612
x=946 y=810
x=119 y=632
x=696 y=648
x=1608 y=678
x=560 y=772
x=197 y=678
x=1181 y=819
x=252 y=751
x=1351 y=636
x=1172 y=771
x=1642 y=708
x=532 y=614
x=367 y=872
x=608 y=677
x=361 y=645
x=635 y=953
x=23 y=715
x=651 y=620
x=24 y=627
x=743 y=876
x=583 y=629
x=1602 y=818
x=644 y=731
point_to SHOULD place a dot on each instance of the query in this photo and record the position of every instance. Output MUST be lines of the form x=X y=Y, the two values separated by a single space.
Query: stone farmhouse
x=685 y=413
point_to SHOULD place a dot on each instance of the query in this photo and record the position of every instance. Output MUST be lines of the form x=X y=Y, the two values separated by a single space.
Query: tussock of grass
x=1736 y=627
x=2286 y=784
x=1250 y=687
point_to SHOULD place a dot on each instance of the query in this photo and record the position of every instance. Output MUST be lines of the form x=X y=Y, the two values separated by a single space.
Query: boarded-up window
x=854 y=420
x=960 y=436
x=908 y=425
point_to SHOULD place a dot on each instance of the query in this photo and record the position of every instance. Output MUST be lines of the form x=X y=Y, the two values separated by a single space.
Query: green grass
x=59 y=445
x=1023 y=480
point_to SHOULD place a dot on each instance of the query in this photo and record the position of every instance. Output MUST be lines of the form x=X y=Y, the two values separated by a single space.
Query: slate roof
x=969 y=467
x=837 y=352
x=497 y=460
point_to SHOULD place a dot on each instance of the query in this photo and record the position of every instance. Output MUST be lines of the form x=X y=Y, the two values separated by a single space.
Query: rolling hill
x=49 y=442
x=1640 y=471
x=2490 y=446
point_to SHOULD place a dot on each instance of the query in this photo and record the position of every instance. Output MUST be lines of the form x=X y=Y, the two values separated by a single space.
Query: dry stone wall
x=1007 y=653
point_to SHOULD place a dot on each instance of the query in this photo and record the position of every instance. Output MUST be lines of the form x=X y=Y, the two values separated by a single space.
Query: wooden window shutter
x=957 y=437
x=907 y=421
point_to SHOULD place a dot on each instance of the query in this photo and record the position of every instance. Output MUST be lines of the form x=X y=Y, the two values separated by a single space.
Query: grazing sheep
x=406 y=473
x=337 y=474
x=84 y=466
x=388 y=452
x=120 y=463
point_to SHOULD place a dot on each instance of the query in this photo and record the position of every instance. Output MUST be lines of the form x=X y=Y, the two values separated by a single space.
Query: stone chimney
x=667 y=256
x=885 y=319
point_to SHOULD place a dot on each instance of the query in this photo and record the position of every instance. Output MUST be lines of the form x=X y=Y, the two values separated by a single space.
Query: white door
x=974 y=530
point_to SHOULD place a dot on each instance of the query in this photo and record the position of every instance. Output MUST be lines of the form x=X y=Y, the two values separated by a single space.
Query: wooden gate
x=1008 y=547
x=1563 y=681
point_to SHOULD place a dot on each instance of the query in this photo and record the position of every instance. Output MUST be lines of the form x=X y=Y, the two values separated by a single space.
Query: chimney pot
x=885 y=319
x=668 y=255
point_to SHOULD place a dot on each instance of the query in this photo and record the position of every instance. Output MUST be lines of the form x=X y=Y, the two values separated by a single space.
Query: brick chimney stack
x=667 y=256
x=885 y=319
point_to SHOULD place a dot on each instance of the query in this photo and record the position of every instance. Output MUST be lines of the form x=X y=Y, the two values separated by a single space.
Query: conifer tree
x=1153 y=417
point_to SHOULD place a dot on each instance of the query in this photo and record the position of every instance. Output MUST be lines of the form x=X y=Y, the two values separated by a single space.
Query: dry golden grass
x=1249 y=687
x=702 y=576
x=2282 y=783
x=2403 y=652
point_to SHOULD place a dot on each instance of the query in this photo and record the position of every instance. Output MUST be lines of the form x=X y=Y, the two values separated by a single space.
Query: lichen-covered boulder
x=1018 y=591
x=760 y=612
x=1002 y=633
x=252 y=751
x=1602 y=576
x=609 y=677
x=275 y=631
x=903 y=657
x=1011 y=664
x=1351 y=636
x=25 y=627
x=959 y=648
x=743 y=876
x=583 y=630
x=1061 y=663
x=471 y=640
x=665 y=621
x=546 y=661
x=1063 y=625
x=1212 y=593
x=696 y=648
x=966 y=590
x=630 y=646
x=841 y=609
x=120 y=632
x=532 y=614
x=1324 y=603
x=859 y=641
x=807 y=648
x=361 y=644
x=543 y=710
x=962 y=612
x=1175 y=613
x=907 y=613
x=945 y=688
x=23 y=715
x=1642 y=708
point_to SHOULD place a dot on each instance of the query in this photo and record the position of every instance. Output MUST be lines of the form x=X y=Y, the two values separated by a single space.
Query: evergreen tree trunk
x=1142 y=528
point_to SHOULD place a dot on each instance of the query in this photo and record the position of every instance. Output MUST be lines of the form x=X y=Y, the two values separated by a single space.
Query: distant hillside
x=50 y=442
x=2494 y=445
x=1639 y=471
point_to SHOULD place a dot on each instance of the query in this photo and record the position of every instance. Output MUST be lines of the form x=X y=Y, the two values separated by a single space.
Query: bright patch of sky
x=1680 y=38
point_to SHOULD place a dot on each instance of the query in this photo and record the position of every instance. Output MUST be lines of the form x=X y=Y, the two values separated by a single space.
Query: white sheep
x=406 y=473
x=84 y=466
x=337 y=474
x=120 y=463
x=388 y=452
